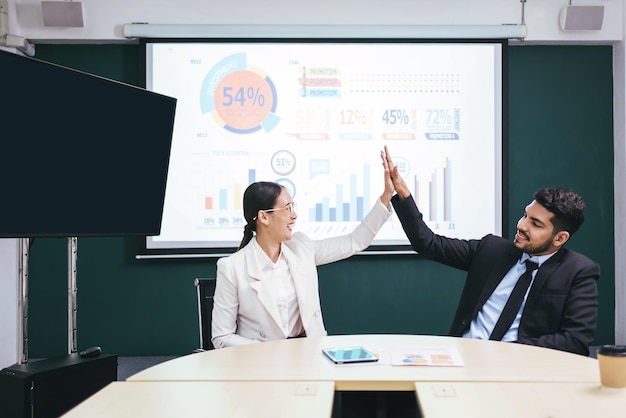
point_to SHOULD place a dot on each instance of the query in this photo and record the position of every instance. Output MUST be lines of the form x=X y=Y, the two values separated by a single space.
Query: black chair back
x=205 y=289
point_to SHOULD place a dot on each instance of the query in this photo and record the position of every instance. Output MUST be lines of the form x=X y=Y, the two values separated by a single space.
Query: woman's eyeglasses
x=291 y=206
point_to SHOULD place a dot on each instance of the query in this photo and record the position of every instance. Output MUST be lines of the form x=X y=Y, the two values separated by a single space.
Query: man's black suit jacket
x=561 y=308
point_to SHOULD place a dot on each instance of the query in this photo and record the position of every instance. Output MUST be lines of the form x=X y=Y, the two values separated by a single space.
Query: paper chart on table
x=426 y=356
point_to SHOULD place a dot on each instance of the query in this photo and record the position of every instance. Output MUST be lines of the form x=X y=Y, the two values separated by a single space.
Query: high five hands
x=392 y=173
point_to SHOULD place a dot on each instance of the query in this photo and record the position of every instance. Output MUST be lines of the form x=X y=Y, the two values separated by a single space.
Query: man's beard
x=539 y=249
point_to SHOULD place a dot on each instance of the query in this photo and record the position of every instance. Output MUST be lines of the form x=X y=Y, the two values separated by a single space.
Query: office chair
x=205 y=290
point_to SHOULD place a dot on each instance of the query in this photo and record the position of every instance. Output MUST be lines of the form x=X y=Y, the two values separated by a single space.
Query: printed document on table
x=426 y=356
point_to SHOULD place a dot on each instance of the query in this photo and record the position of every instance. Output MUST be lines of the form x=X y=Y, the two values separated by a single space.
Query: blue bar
x=332 y=214
x=367 y=201
x=325 y=209
x=359 y=208
x=346 y=212
x=353 y=203
x=223 y=197
x=339 y=201
x=318 y=212
x=251 y=176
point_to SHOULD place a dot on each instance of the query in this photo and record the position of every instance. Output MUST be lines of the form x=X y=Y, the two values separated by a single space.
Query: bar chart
x=350 y=205
x=231 y=197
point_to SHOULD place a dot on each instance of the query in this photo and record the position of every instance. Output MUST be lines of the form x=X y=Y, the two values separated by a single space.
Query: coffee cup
x=612 y=363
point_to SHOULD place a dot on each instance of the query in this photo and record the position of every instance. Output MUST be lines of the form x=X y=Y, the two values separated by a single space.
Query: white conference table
x=519 y=400
x=301 y=360
x=208 y=399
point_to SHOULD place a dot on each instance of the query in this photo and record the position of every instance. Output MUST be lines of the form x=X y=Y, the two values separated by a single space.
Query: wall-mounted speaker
x=581 y=18
x=66 y=14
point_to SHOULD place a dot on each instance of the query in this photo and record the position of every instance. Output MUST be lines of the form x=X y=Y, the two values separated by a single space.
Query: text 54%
x=242 y=95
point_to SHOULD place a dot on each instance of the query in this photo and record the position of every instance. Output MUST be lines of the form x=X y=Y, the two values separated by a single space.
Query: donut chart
x=241 y=98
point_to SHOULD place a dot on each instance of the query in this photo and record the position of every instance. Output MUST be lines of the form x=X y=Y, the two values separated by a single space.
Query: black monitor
x=80 y=155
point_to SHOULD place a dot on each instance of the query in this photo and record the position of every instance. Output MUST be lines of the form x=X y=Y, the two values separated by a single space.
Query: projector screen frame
x=149 y=251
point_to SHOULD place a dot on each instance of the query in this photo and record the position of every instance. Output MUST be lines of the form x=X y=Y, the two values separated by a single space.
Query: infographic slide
x=314 y=117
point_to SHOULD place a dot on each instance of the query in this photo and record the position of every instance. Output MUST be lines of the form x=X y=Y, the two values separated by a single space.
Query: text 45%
x=395 y=117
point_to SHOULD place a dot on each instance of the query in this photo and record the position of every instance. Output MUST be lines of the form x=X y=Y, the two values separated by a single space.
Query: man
x=558 y=308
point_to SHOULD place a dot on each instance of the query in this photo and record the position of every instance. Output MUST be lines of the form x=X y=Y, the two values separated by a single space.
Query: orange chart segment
x=241 y=98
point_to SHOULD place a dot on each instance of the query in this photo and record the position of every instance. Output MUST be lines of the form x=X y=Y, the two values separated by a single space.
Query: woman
x=268 y=289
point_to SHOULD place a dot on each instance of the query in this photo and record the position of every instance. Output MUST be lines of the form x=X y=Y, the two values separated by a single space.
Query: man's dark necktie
x=514 y=303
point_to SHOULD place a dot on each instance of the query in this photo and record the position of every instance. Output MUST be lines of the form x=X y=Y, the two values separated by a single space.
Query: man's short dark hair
x=566 y=205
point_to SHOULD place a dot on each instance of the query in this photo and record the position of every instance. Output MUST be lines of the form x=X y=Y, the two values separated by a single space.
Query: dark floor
x=128 y=366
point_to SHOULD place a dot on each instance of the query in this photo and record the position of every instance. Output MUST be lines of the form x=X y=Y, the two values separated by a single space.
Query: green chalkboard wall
x=560 y=133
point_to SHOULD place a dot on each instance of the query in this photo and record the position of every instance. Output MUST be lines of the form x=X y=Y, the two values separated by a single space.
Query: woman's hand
x=385 y=198
x=393 y=177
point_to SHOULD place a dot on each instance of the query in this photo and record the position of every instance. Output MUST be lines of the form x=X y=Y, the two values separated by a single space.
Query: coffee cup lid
x=613 y=350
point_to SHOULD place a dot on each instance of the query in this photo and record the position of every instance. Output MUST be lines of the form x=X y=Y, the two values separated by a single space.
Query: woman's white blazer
x=244 y=307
